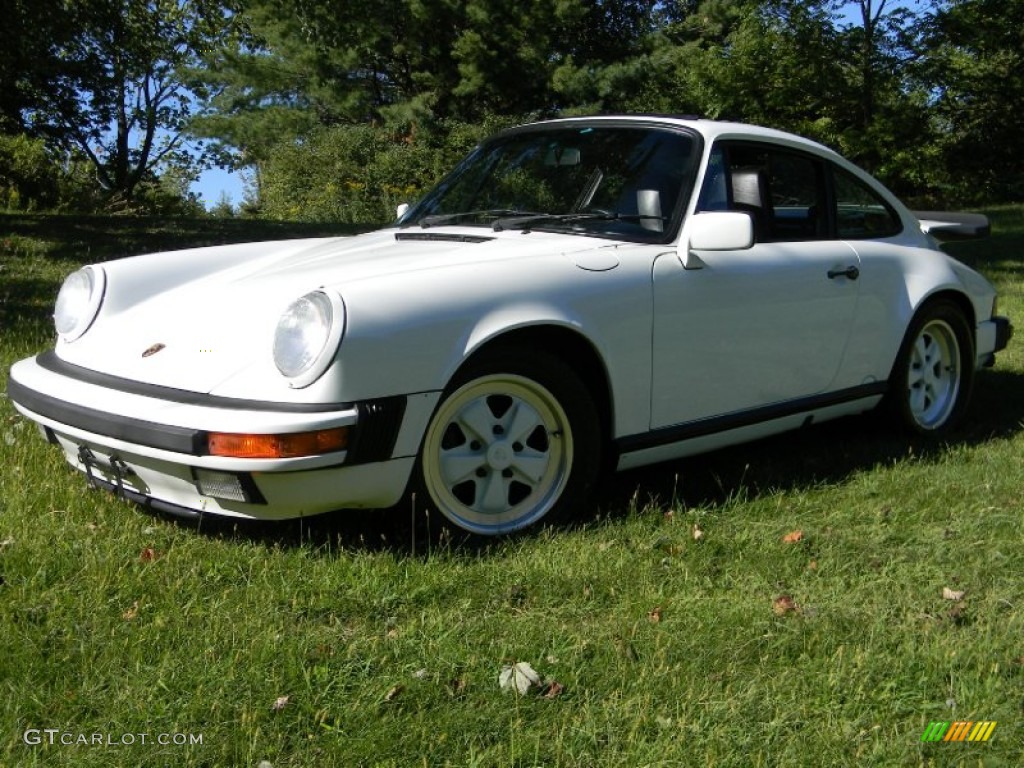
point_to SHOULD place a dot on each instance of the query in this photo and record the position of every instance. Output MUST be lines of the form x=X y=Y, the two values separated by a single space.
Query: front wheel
x=515 y=439
x=934 y=371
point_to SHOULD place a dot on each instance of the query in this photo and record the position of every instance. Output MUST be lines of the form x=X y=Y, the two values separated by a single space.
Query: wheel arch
x=569 y=345
x=897 y=401
x=959 y=298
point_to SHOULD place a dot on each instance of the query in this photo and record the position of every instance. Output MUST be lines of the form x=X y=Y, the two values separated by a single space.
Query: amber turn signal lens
x=284 y=446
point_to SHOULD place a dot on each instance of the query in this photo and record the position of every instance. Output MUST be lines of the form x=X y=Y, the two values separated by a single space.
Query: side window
x=782 y=191
x=796 y=194
x=860 y=212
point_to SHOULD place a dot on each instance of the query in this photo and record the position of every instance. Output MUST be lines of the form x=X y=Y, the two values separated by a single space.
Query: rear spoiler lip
x=954 y=225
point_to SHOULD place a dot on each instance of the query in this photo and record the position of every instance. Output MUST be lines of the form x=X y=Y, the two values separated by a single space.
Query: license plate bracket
x=111 y=465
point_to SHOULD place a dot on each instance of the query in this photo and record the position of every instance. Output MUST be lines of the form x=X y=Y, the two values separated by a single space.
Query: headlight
x=78 y=302
x=307 y=336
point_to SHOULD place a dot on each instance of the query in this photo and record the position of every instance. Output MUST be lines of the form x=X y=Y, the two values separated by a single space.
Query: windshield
x=628 y=182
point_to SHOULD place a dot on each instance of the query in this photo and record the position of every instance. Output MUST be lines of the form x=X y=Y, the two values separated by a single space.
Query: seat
x=750 y=194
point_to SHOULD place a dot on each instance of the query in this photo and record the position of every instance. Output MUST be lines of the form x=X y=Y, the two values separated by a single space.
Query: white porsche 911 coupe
x=577 y=294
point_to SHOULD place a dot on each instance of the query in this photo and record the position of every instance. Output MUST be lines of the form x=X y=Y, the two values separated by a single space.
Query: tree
x=404 y=62
x=32 y=72
x=121 y=81
x=973 y=67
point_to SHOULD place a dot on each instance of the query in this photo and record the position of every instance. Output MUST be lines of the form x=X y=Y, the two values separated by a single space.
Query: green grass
x=388 y=640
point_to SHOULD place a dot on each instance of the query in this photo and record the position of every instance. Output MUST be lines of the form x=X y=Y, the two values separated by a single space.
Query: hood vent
x=442 y=237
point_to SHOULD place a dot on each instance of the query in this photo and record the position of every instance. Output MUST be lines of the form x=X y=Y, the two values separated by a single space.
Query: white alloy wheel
x=498 y=454
x=515 y=439
x=933 y=379
x=935 y=369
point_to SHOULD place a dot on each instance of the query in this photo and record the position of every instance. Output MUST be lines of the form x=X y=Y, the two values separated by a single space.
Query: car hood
x=194 y=319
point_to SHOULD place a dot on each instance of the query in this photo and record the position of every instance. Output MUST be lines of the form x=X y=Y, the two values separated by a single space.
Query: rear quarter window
x=861 y=214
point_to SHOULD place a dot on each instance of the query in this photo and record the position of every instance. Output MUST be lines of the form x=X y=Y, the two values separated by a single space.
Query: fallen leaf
x=655 y=615
x=132 y=612
x=148 y=555
x=793 y=537
x=519 y=676
x=392 y=694
x=955 y=595
x=280 y=703
x=812 y=566
x=553 y=690
x=456 y=686
x=784 y=604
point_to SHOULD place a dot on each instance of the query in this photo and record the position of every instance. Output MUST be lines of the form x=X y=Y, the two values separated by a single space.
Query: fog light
x=220 y=485
x=286 y=446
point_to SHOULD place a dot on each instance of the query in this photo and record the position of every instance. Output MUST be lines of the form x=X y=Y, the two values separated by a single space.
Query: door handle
x=851 y=272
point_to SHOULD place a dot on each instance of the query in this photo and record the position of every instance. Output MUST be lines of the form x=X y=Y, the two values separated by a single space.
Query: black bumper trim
x=372 y=438
x=376 y=432
x=1004 y=332
x=54 y=364
x=177 y=439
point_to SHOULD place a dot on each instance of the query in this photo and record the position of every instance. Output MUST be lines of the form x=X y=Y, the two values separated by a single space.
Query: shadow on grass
x=96 y=238
x=38 y=250
x=26 y=305
x=825 y=454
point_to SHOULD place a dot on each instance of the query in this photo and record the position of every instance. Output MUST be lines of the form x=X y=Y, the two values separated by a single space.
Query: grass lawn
x=810 y=600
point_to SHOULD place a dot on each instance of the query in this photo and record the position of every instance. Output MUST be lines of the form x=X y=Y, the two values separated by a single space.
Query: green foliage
x=924 y=95
x=359 y=174
x=27 y=179
x=112 y=80
x=973 y=60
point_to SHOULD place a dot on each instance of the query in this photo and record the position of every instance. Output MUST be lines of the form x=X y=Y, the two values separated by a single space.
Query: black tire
x=515 y=439
x=933 y=376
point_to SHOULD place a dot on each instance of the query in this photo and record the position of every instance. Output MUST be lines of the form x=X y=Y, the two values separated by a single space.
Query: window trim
x=827 y=170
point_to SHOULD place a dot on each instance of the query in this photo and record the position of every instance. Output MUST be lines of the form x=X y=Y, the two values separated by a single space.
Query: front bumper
x=150 y=443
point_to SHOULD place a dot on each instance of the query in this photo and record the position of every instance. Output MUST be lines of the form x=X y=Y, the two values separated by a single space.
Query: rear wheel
x=514 y=440
x=934 y=372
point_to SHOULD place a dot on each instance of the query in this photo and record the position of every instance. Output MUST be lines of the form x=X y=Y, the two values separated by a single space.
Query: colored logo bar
x=960 y=730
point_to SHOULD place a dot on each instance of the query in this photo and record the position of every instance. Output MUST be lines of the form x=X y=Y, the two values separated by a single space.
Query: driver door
x=760 y=326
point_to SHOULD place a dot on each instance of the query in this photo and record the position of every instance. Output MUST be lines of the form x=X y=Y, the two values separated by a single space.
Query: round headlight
x=307 y=335
x=78 y=302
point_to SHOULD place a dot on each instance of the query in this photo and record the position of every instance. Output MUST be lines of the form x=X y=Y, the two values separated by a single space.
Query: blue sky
x=214 y=183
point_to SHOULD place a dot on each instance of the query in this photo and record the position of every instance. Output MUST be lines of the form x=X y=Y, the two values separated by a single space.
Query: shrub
x=28 y=174
x=359 y=174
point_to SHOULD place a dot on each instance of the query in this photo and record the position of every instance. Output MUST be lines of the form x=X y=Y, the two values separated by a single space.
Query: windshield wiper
x=448 y=218
x=526 y=221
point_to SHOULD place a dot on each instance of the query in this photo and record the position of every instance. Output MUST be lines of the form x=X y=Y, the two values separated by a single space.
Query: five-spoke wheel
x=935 y=369
x=512 y=440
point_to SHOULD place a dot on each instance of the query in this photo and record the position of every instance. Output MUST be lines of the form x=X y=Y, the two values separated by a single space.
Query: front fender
x=406 y=336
